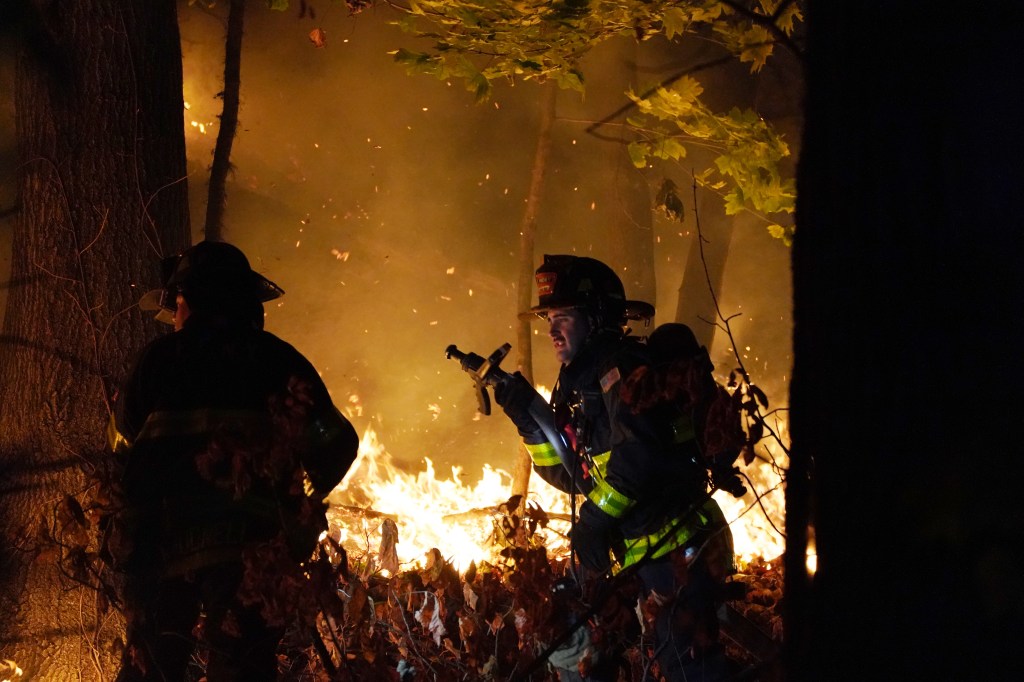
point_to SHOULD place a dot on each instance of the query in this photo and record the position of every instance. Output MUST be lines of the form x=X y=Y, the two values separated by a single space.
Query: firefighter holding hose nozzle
x=635 y=416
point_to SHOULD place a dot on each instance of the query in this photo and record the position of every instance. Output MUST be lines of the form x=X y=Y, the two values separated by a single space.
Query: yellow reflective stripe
x=681 y=533
x=543 y=454
x=115 y=438
x=601 y=463
x=609 y=500
x=192 y=422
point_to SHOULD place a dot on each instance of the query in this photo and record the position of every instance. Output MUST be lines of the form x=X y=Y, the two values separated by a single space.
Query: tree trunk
x=907 y=290
x=627 y=237
x=217 y=194
x=527 y=231
x=99 y=121
x=631 y=226
x=705 y=268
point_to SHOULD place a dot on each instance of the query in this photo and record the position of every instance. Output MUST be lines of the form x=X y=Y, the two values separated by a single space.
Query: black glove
x=515 y=395
x=591 y=545
x=728 y=479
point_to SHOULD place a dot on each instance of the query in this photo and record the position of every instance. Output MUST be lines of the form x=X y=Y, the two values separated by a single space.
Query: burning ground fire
x=458 y=519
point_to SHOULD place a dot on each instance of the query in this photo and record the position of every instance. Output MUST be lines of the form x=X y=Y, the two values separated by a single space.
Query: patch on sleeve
x=610 y=379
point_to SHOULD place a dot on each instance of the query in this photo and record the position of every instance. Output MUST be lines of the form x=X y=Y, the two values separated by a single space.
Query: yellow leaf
x=674 y=22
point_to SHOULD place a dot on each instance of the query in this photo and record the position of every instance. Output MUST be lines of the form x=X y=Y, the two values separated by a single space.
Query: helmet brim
x=154 y=299
x=635 y=310
x=265 y=289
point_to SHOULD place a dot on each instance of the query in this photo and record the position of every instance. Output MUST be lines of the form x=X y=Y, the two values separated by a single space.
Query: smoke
x=388 y=207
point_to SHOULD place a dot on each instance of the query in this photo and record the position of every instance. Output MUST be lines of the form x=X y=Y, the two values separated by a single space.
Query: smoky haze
x=388 y=208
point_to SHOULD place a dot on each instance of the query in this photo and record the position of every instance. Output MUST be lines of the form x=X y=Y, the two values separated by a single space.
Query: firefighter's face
x=181 y=312
x=568 y=328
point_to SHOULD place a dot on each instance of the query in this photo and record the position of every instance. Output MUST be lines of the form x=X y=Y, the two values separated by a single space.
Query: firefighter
x=229 y=442
x=638 y=463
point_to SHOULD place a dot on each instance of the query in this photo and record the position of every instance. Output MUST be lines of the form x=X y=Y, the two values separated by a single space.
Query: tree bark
x=101 y=132
x=907 y=348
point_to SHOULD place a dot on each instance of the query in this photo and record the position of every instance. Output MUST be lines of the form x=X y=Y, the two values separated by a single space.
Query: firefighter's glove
x=591 y=545
x=515 y=395
x=728 y=479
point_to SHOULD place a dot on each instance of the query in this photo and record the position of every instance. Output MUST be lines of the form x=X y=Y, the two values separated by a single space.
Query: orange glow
x=9 y=671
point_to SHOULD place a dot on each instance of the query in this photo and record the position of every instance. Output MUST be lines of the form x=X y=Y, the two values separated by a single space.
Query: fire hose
x=488 y=373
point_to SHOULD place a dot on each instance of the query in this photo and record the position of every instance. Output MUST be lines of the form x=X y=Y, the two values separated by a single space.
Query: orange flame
x=458 y=518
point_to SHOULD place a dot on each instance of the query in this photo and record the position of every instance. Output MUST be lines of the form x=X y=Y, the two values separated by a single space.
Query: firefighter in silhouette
x=229 y=442
x=639 y=459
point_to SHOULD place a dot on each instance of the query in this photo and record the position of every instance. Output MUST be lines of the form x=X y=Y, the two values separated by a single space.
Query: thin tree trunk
x=705 y=269
x=217 y=196
x=527 y=231
x=101 y=132
x=631 y=227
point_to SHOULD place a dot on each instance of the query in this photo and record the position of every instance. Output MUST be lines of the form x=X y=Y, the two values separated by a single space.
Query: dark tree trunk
x=103 y=196
x=217 y=195
x=907 y=288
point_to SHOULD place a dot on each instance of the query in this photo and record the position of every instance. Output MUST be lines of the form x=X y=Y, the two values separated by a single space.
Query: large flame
x=458 y=518
x=430 y=512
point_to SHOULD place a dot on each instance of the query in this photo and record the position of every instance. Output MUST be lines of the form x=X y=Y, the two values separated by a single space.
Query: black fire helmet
x=565 y=281
x=207 y=270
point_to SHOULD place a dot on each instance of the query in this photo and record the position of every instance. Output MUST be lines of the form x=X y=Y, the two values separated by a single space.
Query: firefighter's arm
x=332 y=444
x=563 y=471
x=549 y=466
x=514 y=395
x=591 y=537
x=133 y=403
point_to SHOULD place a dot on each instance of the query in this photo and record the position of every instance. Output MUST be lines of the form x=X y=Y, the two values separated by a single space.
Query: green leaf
x=481 y=42
x=480 y=86
x=570 y=80
x=637 y=154
x=420 y=62
x=734 y=201
x=669 y=148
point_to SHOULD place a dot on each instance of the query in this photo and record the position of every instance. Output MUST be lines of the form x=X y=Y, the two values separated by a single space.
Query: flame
x=458 y=518
x=10 y=671
x=430 y=512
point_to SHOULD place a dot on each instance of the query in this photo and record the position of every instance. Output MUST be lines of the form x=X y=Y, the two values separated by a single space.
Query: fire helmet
x=565 y=281
x=209 y=274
